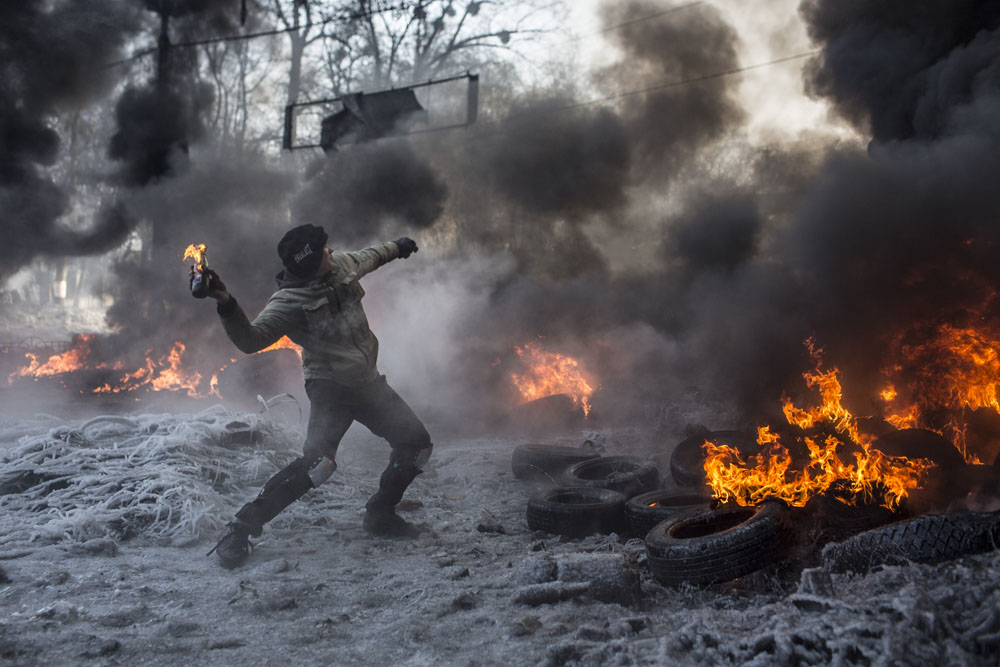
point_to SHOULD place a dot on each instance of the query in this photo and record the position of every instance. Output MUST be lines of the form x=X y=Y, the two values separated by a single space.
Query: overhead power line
x=696 y=79
x=266 y=33
x=650 y=89
x=641 y=19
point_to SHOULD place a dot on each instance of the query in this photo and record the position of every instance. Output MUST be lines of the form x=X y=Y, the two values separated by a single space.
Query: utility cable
x=254 y=35
x=674 y=84
x=625 y=24
x=495 y=132
x=696 y=79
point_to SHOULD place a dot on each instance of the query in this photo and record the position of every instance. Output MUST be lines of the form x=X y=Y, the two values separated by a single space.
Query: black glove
x=407 y=247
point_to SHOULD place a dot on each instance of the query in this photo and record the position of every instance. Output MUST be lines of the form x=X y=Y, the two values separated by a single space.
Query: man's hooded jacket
x=323 y=315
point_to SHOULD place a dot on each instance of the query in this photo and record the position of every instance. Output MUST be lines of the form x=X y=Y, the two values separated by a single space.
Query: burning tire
x=687 y=463
x=577 y=512
x=916 y=443
x=648 y=509
x=628 y=475
x=718 y=545
x=931 y=538
x=842 y=520
x=545 y=463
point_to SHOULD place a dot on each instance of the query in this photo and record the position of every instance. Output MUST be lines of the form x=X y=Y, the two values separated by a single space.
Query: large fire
x=550 y=373
x=939 y=374
x=829 y=432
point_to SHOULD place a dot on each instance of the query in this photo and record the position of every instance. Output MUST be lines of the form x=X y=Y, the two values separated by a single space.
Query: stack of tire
x=583 y=493
x=691 y=540
x=705 y=546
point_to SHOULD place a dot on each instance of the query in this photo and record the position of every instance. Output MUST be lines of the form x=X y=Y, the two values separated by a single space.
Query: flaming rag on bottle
x=200 y=281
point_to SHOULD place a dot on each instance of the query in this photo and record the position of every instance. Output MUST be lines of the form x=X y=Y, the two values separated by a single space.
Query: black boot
x=384 y=522
x=285 y=487
x=380 y=512
x=234 y=547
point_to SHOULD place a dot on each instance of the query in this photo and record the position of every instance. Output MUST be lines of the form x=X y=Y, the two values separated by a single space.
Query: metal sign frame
x=471 y=111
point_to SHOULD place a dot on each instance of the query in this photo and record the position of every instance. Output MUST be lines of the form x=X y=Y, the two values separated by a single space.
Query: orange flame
x=71 y=360
x=167 y=374
x=198 y=253
x=873 y=477
x=283 y=343
x=949 y=370
x=550 y=373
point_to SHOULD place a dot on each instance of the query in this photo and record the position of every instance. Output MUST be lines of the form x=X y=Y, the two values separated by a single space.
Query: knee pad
x=322 y=470
x=411 y=459
x=291 y=476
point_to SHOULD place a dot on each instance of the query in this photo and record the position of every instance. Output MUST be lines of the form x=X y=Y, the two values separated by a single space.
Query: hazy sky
x=769 y=30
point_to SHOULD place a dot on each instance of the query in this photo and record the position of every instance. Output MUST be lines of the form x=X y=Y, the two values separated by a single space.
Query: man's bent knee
x=411 y=459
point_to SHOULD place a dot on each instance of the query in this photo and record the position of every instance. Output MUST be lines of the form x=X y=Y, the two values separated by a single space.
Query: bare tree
x=237 y=70
x=303 y=22
x=381 y=43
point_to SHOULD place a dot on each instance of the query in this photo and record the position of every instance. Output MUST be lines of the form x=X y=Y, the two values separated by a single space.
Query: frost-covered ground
x=109 y=567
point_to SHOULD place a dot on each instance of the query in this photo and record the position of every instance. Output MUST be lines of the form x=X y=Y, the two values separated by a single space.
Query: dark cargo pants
x=334 y=408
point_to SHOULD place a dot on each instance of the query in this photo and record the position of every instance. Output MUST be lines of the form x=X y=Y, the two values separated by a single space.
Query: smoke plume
x=371 y=191
x=629 y=224
x=51 y=60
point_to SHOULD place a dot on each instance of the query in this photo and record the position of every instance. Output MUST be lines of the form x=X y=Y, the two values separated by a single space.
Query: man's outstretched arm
x=365 y=261
x=248 y=336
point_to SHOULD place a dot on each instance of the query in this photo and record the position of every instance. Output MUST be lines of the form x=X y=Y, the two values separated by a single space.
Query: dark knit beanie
x=301 y=249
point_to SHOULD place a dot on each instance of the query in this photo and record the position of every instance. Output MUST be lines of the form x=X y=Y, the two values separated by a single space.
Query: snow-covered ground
x=111 y=567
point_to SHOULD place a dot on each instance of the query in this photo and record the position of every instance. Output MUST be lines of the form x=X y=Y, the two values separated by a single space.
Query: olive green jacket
x=323 y=315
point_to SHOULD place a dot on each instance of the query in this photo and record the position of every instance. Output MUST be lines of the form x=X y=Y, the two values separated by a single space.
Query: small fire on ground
x=550 y=373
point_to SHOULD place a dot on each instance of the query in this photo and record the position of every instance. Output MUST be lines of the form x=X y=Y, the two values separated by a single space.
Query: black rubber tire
x=546 y=463
x=628 y=475
x=931 y=538
x=577 y=512
x=918 y=443
x=648 y=509
x=687 y=462
x=842 y=520
x=718 y=545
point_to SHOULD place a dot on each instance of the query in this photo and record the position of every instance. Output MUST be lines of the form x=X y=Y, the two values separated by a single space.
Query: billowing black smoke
x=668 y=124
x=629 y=224
x=371 y=191
x=158 y=122
x=849 y=247
x=903 y=236
x=903 y=71
x=52 y=58
x=554 y=162
x=558 y=184
x=877 y=243
x=156 y=125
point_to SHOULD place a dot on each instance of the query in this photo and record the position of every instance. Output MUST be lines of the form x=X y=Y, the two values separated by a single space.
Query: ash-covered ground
x=105 y=563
